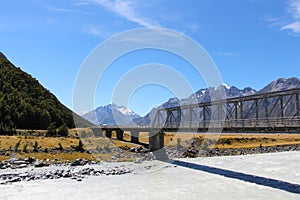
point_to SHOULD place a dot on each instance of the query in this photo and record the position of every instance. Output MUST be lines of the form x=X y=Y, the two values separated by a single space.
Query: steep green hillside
x=26 y=104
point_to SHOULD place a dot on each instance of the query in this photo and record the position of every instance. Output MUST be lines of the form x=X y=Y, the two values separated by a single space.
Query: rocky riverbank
x=193 y=152
x=71 y=173
x=28 y=169
x=16 y=170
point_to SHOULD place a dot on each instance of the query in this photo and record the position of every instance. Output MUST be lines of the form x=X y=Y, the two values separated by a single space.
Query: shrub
x=35 y=146
x=63 y=131
x=98 y=149
x=79 y=147
x=178 y=143
x=25 y=150
x=60 y=147
x=205 y=145
x=226 y=141
x=83 y=134
x=16 y=148
x=51 y=130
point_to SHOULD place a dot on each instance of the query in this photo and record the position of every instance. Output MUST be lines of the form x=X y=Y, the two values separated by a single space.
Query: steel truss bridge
x=267 y=112
x=274 y=111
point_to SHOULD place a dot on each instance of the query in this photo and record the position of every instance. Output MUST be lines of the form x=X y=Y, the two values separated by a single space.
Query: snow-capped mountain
x=202 y=95
x=281 y=84
x=111 y=114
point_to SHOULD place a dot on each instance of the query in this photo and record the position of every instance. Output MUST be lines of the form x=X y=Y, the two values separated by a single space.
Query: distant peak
x=280 y=80
x=226 y=86
x=2 y=56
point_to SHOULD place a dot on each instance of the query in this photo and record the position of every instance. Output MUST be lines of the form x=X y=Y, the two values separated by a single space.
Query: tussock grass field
x=9 y=142
x=24 y=144
x=243 y=140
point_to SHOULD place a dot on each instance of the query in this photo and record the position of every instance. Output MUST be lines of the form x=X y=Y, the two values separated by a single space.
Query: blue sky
x=252 y=42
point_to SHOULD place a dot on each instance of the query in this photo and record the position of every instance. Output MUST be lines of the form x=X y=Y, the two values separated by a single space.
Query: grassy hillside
x=26 y=104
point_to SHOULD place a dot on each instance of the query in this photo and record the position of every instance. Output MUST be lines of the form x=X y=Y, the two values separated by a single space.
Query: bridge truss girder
x=280 y=109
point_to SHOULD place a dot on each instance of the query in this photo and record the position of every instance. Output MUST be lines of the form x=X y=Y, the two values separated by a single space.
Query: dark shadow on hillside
x=269 y=182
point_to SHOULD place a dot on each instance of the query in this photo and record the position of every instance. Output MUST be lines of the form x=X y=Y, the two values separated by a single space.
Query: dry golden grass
x=92 y=143
x=60 y=156
x=7 y=142
x=127 y=136
x=254 y=140
x=236 y=140
x=4 y=158
x=144 y=137
x=76 y=130
x=120 y=144
x=65 y=157
x=171 y=139
x=45 y=156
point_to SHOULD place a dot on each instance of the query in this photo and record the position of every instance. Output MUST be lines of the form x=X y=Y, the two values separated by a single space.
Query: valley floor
x=257 y=176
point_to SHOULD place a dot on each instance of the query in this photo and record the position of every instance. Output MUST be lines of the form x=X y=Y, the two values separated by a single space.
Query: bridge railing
x=271 y=122
x=273 y=109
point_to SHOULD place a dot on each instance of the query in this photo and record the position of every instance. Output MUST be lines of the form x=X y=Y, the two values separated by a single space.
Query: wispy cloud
x=60 y=9
x=191 y=28
x=127 y=9
x=294 y=8
x=290 y=22
x=65 y=10
x=80 y=3
x=271 y=19
x=294 y=11
x=295 y=27
x=98 y=31
x=229 y=54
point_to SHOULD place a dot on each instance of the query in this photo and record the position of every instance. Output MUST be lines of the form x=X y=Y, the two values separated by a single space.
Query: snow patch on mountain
x=119 y=115
x=111 y=114
x=226 y=86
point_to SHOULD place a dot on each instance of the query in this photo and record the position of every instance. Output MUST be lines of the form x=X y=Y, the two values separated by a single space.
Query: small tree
x=25 y=148
x=179 y=143
x=60 y=147
x=51 y=130
x=63 y=131
x=16 y=149
x=79 y=147
x=35 y=146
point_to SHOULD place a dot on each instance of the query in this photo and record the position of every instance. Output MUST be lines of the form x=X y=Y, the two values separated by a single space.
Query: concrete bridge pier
x=119 y=133
x=108 y=133
x=156 y=145
x=134 y=136
x=156 y=141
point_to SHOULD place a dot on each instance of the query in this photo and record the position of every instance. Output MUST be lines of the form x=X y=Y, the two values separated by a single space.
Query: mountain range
x=120 y=115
